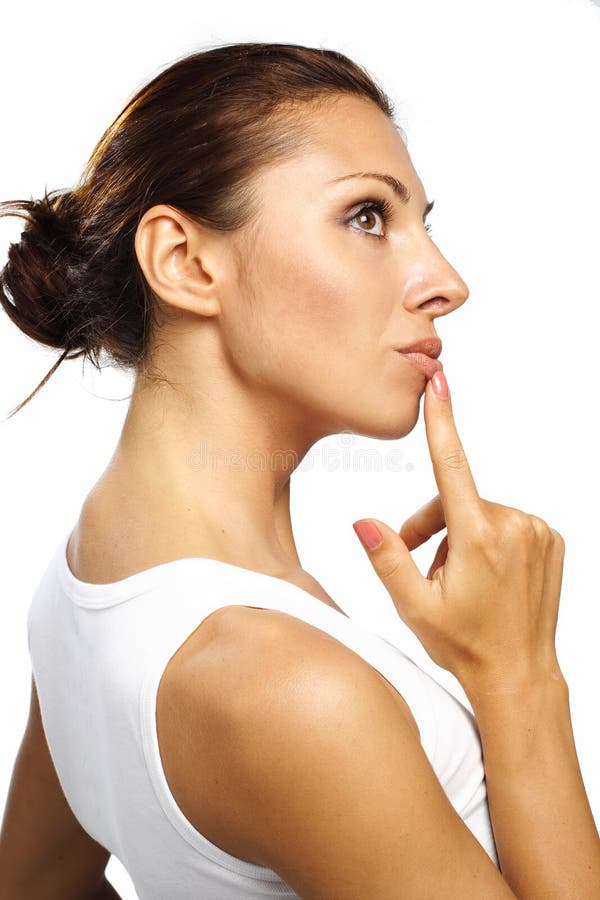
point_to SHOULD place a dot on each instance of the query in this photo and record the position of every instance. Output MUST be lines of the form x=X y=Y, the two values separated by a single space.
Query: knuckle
x=483 y=531
x=453 y=457
x=500 y=522
x=388 y=567
x=490 y=512
x=517 y=521
x=541 y=528
x=409 y=530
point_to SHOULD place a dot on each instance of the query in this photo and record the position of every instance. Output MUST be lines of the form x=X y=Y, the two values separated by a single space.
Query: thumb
x=391 y=559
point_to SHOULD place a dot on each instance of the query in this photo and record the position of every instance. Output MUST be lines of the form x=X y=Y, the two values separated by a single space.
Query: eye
x=367 y=216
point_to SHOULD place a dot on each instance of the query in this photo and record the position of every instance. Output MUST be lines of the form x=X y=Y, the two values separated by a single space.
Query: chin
x=390 y=424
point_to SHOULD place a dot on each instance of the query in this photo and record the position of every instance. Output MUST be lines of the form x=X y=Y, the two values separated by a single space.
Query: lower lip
x=425 y=364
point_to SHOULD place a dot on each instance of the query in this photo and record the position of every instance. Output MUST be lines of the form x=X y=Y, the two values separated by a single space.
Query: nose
x=436 y=287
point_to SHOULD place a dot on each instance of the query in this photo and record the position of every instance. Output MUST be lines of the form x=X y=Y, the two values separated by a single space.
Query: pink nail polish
x=440 y=385
x=369 y=535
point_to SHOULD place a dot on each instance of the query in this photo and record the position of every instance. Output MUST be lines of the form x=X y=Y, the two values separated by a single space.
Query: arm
x=547 y=841
x=319 y=774
x=488 y=612
x=44 y=851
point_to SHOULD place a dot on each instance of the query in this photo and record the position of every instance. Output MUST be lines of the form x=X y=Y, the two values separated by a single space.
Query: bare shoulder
x=287 y=750
x=244 y=647
x=259 y=641
x=239 y=652
x=223 y=695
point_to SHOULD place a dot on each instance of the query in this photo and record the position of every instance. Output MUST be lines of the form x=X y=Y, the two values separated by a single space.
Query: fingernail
x=440 y=385
x=369 y=535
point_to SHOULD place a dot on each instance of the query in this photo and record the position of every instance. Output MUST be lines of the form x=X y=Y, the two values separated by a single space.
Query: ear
x=175 y=255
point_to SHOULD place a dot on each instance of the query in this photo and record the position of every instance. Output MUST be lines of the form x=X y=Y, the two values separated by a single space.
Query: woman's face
x=331 y=289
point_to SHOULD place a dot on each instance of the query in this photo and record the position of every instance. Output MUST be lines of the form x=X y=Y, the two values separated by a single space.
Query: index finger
x=456 y=485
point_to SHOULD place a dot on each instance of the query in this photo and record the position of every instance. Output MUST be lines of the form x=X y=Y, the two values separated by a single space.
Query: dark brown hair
x=193 y=137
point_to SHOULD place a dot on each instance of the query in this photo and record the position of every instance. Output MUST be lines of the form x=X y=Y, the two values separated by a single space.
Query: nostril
x=435 y=303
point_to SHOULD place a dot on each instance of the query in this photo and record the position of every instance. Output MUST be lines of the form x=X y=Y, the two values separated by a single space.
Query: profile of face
x=327 y=289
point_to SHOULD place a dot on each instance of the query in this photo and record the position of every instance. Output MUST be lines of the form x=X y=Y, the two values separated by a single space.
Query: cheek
x=314 y=315
x=313 y=296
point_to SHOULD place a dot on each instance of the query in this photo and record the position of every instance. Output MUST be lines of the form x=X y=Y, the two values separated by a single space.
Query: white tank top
x=98 y=652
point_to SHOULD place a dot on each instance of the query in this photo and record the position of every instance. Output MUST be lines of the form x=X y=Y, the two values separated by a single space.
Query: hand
x=488 y=609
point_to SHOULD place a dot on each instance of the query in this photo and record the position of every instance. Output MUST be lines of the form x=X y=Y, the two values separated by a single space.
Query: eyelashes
x=384 y=208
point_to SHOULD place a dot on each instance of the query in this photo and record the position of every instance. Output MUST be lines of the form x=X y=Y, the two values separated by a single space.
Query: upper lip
x=429 y=346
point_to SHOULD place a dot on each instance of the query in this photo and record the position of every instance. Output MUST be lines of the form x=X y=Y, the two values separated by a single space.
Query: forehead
x=344 y=135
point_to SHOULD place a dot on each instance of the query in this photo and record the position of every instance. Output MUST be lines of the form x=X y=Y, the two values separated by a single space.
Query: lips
x=425 y=364
x=429 y=346
x=424 y=355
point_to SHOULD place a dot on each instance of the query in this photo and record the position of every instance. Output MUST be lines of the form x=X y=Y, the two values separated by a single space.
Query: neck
x=215 y=472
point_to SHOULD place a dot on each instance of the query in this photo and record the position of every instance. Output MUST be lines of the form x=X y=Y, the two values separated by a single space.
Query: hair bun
x=33 y=238
x=37 y=280
x=194 y=137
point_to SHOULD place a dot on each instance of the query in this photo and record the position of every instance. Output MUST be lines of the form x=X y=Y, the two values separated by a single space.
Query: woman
x=201 y=707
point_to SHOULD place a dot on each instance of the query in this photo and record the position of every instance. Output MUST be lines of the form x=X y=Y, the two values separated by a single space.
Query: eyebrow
x=398 y=187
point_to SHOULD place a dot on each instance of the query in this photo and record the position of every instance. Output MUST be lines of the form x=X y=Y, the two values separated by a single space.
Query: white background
x=499 y=101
